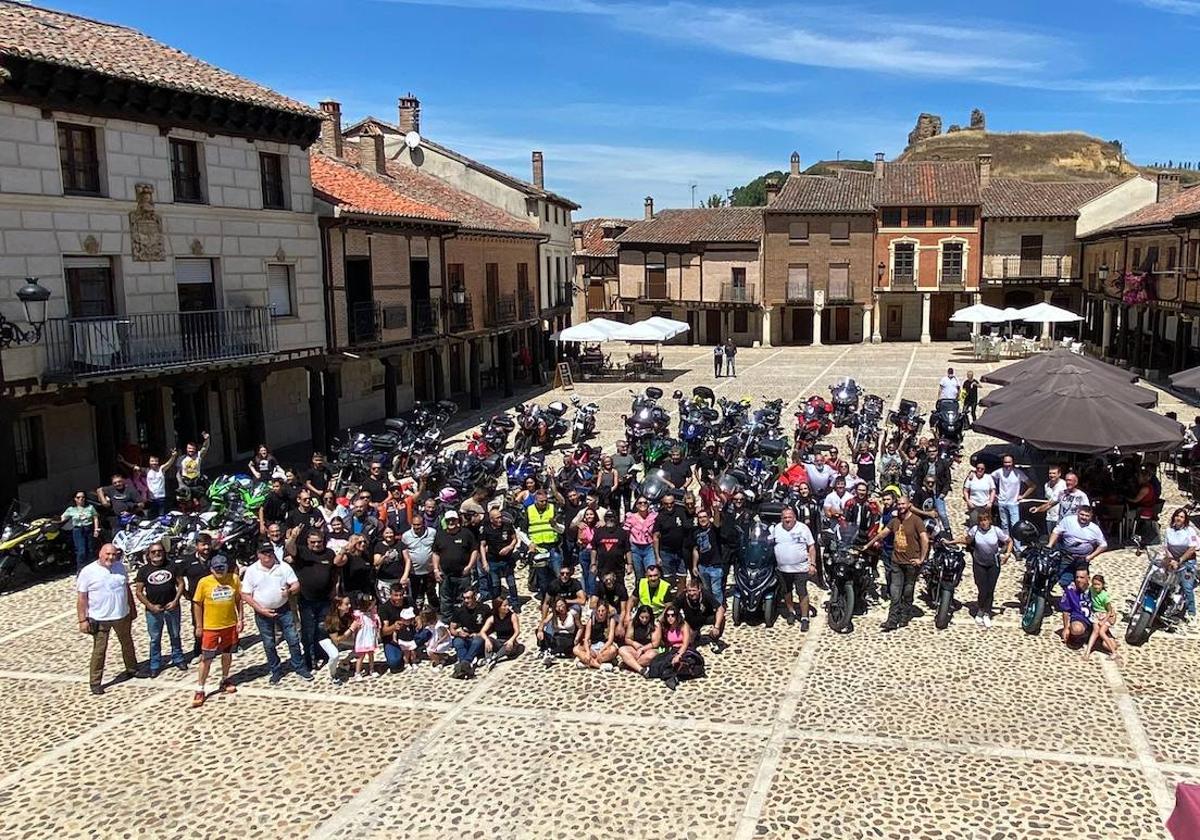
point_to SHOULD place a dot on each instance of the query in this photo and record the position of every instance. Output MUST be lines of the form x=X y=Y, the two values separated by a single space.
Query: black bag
x=563 y=644
x=463 y=671
x=691 y=665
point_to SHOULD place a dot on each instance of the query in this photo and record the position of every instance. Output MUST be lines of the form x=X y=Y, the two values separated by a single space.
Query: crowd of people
x=616 y=582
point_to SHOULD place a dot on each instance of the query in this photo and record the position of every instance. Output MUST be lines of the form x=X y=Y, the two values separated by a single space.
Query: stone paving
x=961 y=733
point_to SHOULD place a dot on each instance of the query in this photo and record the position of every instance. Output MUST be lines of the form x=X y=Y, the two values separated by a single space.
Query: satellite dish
x=412 y=139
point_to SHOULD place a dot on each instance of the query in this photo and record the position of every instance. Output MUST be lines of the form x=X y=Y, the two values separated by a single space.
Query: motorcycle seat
x=654 y=393
x=704 y=393
x=395 y=424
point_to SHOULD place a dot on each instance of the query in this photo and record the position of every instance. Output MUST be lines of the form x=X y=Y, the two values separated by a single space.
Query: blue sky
x=630 y=98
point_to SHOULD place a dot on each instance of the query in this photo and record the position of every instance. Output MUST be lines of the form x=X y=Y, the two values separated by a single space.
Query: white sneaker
x=579 y=663
x=607 y=667
x=979 y=619
x=987 y=622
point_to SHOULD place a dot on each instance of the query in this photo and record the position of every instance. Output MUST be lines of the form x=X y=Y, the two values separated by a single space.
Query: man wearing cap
x=194 y=569
x=496 y=546
x=217 y=609
x=455 y=553
x=267 y=587
x=396 y=510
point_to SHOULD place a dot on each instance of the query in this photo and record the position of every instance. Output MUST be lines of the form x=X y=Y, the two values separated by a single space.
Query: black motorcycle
x=756 y=580
x=1042 y=568
x=646 y=420
x=845 y=395
x=906 y=422
x=848 y=576
x=943 y=571
x=948 y=421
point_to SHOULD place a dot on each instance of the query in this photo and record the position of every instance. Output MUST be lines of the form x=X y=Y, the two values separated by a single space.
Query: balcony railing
x=425 y=318
x=84 y=347
x=839 y=293
x=364 y=322
x=1049 y=267
x=903 y=280
x=500 y=311
x=564 y=293
x=951 y=280
x=739 y=292
x=526 y=306
x=460 y=317
x=799 y=292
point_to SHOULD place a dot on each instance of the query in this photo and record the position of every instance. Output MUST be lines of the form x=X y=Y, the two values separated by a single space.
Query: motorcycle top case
x=771 y=511
x=385 y=440
x=773 y=447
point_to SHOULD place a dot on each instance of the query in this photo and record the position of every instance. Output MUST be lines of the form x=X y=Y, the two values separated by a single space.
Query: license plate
x=1149 y=604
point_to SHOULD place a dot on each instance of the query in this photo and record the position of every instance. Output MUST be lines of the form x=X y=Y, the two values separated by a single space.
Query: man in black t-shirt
x=678 y=470
x=496 y=546
x=193 y=569
x=671 y=527
x=305 y=516
x=376 y=483
x=455 y=554
x=466 y=625
x=704 y=556
x=700 y=609
x=709 y=462
x=566 y=587
x=610 y=547
x=317 y=477
x=277 y=505
x=159 y=586
x=316 y=569
x=390 y=613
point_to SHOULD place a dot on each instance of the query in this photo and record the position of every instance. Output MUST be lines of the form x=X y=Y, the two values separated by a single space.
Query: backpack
x=463 y=671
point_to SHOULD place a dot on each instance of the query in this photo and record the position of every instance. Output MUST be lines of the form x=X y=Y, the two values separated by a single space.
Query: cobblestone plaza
x=962 y=733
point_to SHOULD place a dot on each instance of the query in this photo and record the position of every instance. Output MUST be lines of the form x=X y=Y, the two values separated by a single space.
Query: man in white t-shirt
x=1012 y=486
x=1071 y=499
x=837 y=498
x=267 y=587
x=104 y=604
x=1052 y=491
x=1081 y=538
x=948 y=386
x=820 y=475
x=794 y=555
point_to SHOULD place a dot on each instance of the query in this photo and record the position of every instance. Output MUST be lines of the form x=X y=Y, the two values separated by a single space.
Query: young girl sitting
x=366 y=638
x=406 y=636
x=1104 y=618
x=438 y=646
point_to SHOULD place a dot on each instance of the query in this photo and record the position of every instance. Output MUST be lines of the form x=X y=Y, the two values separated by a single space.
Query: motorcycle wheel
x=1035 y=610
x=1138 y=632
x=575 y=436
x=945 y=600
x=841 y=609
x=770 y=613
x=735 y=609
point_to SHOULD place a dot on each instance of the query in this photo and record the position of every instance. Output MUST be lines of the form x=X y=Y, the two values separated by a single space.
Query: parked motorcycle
x=583 y=426
x=755 y=579
x=646 y=420
x=943 y=571
x=1160 y=600
x=848 y=576
x=1042 y=566
x=906 y=422
x=813 y=422
x=845 y=396
x=40 y=545
x=135 y=536
x=948 y=421
x=539 y=427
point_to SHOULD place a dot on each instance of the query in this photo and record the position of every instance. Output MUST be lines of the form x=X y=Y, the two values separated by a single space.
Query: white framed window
x=281 y=289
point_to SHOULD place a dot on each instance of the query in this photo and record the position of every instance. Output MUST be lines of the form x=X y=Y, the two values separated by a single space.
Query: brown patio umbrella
x=1075 y=419
x=1078 y=380
x=1051 y=361
x=1189 y=378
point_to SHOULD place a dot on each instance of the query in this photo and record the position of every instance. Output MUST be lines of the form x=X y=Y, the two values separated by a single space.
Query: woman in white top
x=979 y=492
x=332 y=509
x=1181 y=540
x=990 y=546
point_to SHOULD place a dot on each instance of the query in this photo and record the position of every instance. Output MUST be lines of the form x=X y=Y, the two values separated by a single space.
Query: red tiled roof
x=592 y=231
x=1184 y=203
x=471 y=211
x=847 y=191
x=355 y=191
x=682 y=227
x=56 y=37
x=1029 y=199
x=936 y=183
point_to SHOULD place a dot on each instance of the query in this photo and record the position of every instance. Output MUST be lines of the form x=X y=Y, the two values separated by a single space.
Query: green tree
x=714 y=200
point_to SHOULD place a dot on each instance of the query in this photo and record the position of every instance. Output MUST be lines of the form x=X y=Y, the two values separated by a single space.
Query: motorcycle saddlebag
x=395 y=424
x=907 y=408
x=385 y=441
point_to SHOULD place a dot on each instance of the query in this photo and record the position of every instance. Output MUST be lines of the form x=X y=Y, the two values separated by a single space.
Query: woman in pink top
x=584 y=532
x=639 y=522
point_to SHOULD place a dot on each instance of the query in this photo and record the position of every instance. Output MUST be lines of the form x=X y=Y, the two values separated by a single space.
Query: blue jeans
x=154 y=626
x=450 y=592
x=585 y=569
x=712 y=578
x=468 y=649
x=939 y=504
x=312 y=627
x=671 y=563
x=1187 y=582
x=85 y=545
x=266 y=630
x=498 y=569
x=1010 y=515
x=643 y=556
x=156 y=507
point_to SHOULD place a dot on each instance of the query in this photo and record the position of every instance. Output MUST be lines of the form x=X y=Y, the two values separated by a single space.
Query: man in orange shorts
x=217 y=608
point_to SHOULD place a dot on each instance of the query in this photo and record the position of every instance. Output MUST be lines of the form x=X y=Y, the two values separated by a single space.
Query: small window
x=30 y=443
x=797 y=282
x=1137 y=259
x=1170 y=258
x=79 y=158
x=890 y=217
x=90 y=292
x=547 y=208
x=916 y=217
x=952 y=262
x=194 y=285
x=280 y=289
x=965 y=216
x=798 y=231
x=839 y=231
x=839 y=281
x=456 y=276
x=185 y=171
x=941 y=217
x=271 y=168
x=741 y=321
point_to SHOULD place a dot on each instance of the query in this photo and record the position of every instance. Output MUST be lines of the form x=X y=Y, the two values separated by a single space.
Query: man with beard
x=705 y=560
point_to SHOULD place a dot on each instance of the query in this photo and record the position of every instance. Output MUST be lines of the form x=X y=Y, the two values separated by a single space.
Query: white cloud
x=1178 y=7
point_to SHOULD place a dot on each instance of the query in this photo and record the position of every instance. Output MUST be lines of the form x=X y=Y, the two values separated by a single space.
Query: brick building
x=596 y=277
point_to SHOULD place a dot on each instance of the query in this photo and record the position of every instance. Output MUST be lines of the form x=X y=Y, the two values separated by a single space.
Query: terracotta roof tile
x=936 y=183
x=471 y=211
x=111 y=50
x=1184 y=203
x=356 y=191
x=1028 y=199
x=682 y=227
x=847 y=191
x=592 y=231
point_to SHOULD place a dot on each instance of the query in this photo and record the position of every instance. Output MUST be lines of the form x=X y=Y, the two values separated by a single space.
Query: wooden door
x=841 y=325
x=802 y=323
x=712 y=326
x=894 y=322
x=940 y=309
x=420 y=362
x=457 y=385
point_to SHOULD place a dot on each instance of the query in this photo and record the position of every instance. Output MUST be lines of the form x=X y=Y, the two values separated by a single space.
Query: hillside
x=1051 y=156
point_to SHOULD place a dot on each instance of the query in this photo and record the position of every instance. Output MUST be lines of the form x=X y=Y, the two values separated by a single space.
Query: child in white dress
x=367 y=637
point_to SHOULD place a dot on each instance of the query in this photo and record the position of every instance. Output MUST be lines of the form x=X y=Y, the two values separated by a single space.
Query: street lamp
x=33 y=297
x=458 y=296
x=879 y=269
x=1102 y=272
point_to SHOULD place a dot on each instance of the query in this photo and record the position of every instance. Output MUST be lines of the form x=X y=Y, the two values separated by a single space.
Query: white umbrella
x=673 y=327
x=597 y=329
x=643 y=331
x=979 y=313
x=1046 y=313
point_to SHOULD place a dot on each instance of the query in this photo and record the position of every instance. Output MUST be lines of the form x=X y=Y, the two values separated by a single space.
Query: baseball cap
x=408 y=613
x=219 y=563
x=450 y=514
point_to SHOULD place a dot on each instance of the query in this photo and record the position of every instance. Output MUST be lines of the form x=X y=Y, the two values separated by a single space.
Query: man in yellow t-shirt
x=217 y=610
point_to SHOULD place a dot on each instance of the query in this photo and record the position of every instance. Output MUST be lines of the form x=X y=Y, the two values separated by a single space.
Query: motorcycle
x=584 y=424
x=848 y=576
x=907 y=422
x=1042 y=565
x=520 y=466
x=539 y=427
x=845 y=395
x=40 y=545
x=943 y=571
x=646 y=420
x=948 y=422
x=813 y=422
x=135 y=536
x=866 y=423
x=755 y=579
x=1160 y=600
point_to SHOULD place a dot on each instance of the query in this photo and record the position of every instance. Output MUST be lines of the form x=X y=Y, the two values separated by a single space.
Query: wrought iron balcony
x=500 y=311
x=839 y=293
x=425 y=318
x=364 y=322
x=739 y=292
x=1059 y=268
x=564 y=293
x=951 y=280
x=526 y=306
x=78 y=348
x=903 y=280
x=460 y=317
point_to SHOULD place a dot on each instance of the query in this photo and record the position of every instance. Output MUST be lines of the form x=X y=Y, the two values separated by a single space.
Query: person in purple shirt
x=1076 y=607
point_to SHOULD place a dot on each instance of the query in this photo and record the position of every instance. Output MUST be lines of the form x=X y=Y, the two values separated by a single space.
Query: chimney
x=773 y=188
x=649 y=207
x=331 y=127
x=410 y=114
x=795 y=163
x=371 y=157
x=1168 y=186
x=539 y=174
x=984 y=164
x=878 y=165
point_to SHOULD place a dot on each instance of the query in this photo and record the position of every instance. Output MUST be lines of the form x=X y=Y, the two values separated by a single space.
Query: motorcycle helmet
x=448 y=496
x=727 y=484
x=1024 y=532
